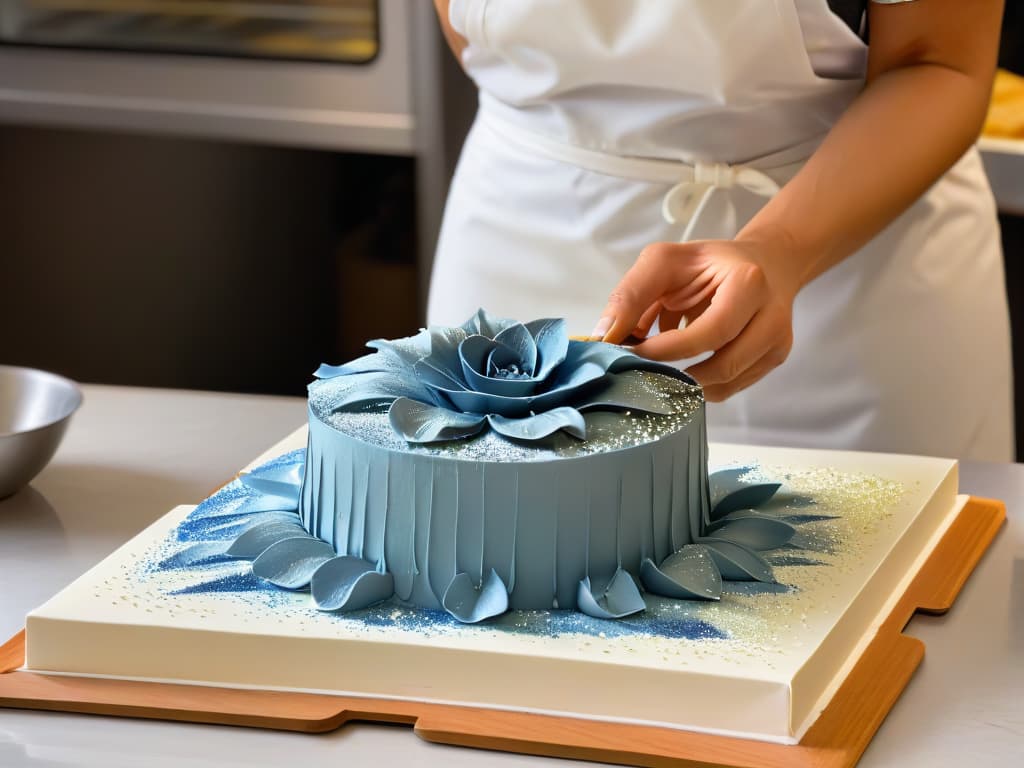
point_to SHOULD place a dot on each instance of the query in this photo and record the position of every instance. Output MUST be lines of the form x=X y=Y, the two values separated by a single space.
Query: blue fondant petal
x=266 y=503
x=519 y=339
x=486 y=324
x=405 y=351
x=475 y=353
x=290 y=563
x=444 y=349
x=349 y=583
x=621 y=598
x=365 y=364
x=729 y=492
x=541 y=425
x=470 y=603
x=738 y=563
x=231 y=527
x=552 y=340
x=747 y=497
x=752 y=530
x=584 y=358
x=368 y=389
x=627 y=391
x=422 y=423
x=287 y=473
x=255 y=540
x=282 y=482
x=431 y=376
x=689 y=574
x=479 y=402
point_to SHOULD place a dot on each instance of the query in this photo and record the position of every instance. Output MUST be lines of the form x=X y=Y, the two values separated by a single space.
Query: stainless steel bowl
x=35 y=408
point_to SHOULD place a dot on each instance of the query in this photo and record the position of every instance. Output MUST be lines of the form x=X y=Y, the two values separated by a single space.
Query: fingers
x=734 y=305
x=643 y=326
x=716 y=393
x=669 y=320
x=642 y=286
x=767 y=338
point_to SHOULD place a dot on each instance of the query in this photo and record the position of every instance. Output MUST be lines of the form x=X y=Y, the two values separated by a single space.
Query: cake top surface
x=497 y=389
x=605 y=430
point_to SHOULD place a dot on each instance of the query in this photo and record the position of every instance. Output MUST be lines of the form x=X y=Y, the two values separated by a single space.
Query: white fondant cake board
x=784 y=656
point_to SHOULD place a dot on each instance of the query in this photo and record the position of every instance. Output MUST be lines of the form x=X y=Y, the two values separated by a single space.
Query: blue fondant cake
x=499 y=465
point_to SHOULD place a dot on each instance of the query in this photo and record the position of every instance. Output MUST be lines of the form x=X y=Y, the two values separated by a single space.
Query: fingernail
x=603 y=326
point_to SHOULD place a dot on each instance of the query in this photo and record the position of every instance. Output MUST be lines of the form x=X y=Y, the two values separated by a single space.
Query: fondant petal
x=627 y=391
x=591 y=356
x=369 y=389
x=541 y=425
x=267 y=503
x=254 y=541
x=475 y=352
x=230 y=527
x=405 y=350
x=519 y=339
x=486 y=324
x=729 y=492
x=291 y=563
x=752 y=530
x=621 y=598
x=422 y=423
x=552 y=340
x=434 y=377
x=737 y=563
x=366 y=364
x=444 y=349
x=689 y=574
x=282 y=482
x=483 y=403
x=470 y=603
x=349 y=583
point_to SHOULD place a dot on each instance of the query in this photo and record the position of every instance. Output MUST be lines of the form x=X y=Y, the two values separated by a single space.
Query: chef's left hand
x=735 y=296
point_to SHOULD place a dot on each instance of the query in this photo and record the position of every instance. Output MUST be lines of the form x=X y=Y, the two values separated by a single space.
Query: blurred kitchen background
x=221 y=194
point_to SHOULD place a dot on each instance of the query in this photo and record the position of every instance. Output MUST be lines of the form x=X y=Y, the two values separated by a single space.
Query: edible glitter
x=606 y=430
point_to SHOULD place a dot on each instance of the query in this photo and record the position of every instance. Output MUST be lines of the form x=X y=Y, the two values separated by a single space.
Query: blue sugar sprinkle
x=195 y=556
x=235 y=582
x=298 y=456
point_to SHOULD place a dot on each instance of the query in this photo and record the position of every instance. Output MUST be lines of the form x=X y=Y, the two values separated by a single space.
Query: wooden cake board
x=836 y=740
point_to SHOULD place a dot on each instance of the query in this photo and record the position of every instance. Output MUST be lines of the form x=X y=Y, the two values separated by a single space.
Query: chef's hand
x=736 y=299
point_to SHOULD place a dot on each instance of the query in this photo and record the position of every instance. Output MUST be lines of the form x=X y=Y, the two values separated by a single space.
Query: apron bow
x=688 y=198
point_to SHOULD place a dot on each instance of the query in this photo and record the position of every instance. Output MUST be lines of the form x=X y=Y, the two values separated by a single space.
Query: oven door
x=332 y=74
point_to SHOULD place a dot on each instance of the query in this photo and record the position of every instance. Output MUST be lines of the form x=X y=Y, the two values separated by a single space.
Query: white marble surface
x=132 y=454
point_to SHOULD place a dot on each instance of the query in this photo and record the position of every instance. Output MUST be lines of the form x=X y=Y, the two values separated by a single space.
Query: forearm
x=905 y=130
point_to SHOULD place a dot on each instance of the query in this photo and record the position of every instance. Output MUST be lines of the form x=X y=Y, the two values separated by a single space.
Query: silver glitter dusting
x=607 y=430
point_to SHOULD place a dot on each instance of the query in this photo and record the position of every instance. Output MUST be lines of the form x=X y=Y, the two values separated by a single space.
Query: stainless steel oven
x=354 y=75
x=364 y=76
x=321 y=30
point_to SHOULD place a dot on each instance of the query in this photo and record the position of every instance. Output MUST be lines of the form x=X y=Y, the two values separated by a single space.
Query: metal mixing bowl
x=35 y=408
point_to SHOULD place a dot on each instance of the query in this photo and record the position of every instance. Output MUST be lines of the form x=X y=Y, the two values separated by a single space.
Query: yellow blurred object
x=1006 y=112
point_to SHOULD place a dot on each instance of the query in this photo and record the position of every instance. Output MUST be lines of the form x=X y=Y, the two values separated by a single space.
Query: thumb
x=638 y=289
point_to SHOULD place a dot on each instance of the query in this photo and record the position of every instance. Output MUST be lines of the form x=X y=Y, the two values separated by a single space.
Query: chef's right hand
x=732 y=298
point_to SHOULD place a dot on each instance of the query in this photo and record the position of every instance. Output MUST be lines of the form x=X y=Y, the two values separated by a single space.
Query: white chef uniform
x=606 y=125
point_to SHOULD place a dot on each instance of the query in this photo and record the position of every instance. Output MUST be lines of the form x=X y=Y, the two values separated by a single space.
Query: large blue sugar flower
x=524 y=381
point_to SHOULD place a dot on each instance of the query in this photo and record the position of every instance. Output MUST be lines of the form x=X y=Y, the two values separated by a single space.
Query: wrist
x=787 y=262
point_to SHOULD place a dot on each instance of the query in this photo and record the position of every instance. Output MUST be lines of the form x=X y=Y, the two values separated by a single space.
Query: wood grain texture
x=836 y=740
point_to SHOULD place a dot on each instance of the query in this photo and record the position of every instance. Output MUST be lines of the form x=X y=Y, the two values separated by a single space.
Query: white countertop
x=132 y=454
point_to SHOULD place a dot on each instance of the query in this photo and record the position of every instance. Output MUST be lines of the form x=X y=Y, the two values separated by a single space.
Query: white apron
x=607 y=125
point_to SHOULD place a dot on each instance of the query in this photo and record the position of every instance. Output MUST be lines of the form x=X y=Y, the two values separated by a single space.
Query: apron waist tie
x=692 y=185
